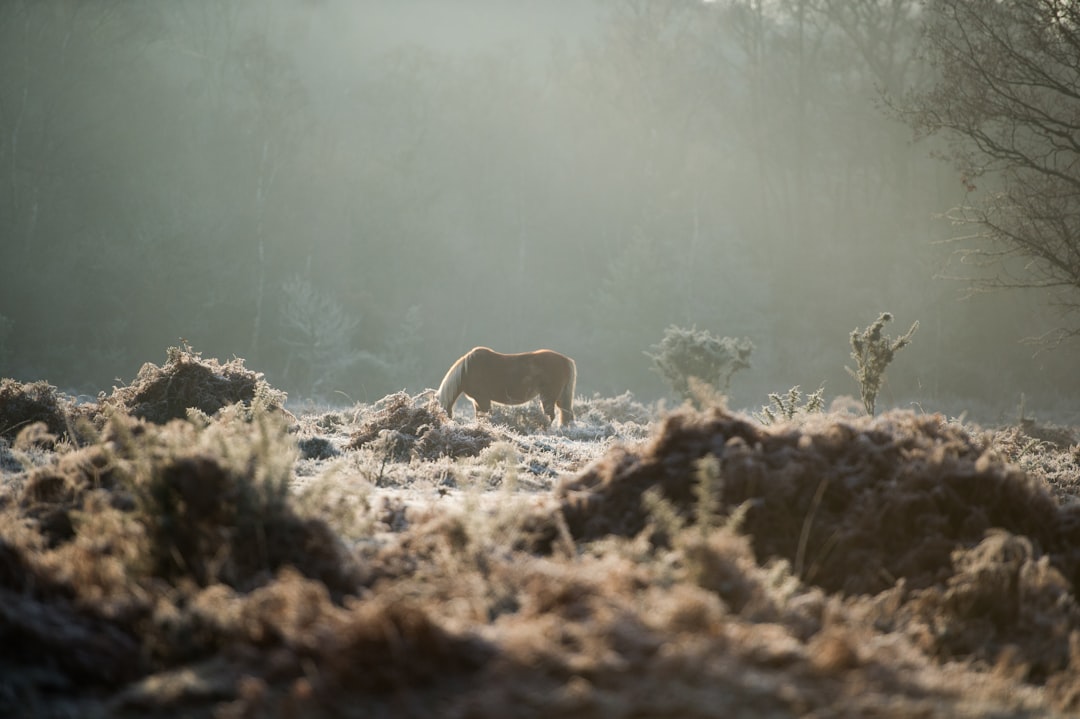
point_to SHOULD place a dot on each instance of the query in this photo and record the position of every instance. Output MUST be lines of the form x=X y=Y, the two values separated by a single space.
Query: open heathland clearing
x=187 y=546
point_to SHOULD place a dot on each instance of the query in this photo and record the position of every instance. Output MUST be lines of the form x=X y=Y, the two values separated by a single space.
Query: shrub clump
x=54 y=494
x=688 y=354
x=526 y=418
x=786 y=407
x=272 y=640
x=185 y=503
x=406 y=426
x=872 y=353
x=214 y=505
x=854 y=506
x=24 y=404
x=1050 y=453
x=1004 y=603
x=316 y=447
x=952 y=545
x=622 y=409
x=187 y=381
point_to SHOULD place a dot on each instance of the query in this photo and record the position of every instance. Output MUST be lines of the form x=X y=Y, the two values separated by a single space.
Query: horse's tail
x=565 y=403
x=450 y=388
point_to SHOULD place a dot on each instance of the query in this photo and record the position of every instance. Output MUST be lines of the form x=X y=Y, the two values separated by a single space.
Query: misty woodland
x=612 y=358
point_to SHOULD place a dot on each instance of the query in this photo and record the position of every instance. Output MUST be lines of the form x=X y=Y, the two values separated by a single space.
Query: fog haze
x=350 y=195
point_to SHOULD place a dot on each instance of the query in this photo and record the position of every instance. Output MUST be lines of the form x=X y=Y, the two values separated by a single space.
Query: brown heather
x=703 y=565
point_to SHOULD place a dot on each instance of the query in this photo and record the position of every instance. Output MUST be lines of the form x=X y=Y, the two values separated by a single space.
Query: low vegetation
x=186 y=547
x=790 y=404
x=873 y=352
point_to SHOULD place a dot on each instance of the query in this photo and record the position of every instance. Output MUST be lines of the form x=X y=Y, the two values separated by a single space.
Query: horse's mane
x=450 y=387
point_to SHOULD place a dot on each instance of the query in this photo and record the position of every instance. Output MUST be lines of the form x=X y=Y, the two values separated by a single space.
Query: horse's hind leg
x=566 y=412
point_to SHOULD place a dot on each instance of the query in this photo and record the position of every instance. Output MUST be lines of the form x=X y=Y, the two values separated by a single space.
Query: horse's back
x=541 y=354
x=517 y=374
x=486 y=354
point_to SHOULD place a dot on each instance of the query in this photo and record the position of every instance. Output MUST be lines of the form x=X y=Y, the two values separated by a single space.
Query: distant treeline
x=350 y=214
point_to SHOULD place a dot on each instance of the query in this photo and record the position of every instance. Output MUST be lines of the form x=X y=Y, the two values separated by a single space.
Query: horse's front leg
x=481 y=405
x=549 y=408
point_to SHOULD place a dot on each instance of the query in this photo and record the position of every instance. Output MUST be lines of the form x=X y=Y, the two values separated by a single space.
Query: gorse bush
x=686 y=354
x=872 y=353
x=787 y=406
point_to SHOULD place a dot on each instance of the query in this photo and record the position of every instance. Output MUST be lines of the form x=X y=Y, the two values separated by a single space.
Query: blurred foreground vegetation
x=188 y=547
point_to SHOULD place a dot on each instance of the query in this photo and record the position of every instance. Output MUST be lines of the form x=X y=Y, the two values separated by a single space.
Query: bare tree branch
x=1007 y=99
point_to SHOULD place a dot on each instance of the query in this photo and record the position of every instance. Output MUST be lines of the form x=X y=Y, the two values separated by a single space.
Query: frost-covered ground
x=188 y=546
x=511 y=458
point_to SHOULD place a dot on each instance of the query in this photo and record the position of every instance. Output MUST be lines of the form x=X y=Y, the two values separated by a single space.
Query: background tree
x=1007 y=98
x=319 y=335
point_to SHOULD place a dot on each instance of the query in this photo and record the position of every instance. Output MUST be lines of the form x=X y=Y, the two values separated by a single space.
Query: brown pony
x=486 y=376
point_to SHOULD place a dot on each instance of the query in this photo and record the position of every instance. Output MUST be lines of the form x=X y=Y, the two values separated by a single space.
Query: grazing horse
x=486 y=376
